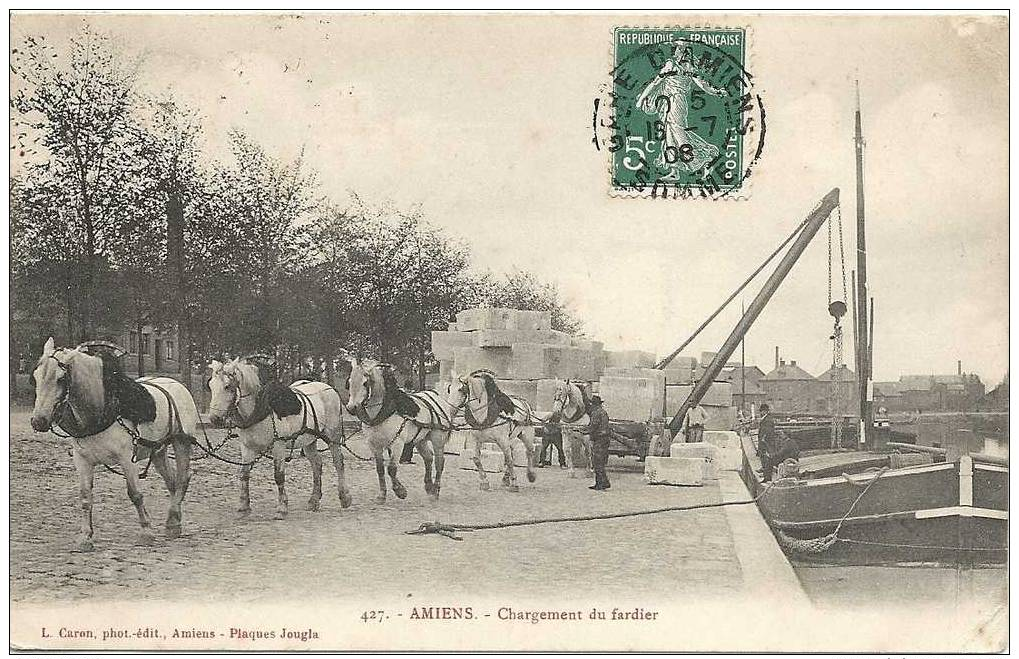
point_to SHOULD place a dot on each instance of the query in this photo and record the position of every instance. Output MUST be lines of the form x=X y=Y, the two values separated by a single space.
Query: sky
x=483 y=121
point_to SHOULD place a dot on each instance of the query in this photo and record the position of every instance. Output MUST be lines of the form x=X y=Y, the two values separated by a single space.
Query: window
x=169 y=349
x=145 y=344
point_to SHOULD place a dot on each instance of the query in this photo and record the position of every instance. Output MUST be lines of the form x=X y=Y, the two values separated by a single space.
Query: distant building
x=158 y=347
x=940 y=393
x=888 y=397
x=790 y=390
x=848 y=392
x=754 y=393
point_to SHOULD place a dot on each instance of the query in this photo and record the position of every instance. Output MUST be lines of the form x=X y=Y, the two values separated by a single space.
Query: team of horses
x=81 y=396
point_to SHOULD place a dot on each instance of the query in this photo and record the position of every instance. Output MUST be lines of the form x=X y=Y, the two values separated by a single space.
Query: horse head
x=363 y=379
x=230 y=382
x=56 y=383
x=456 y=391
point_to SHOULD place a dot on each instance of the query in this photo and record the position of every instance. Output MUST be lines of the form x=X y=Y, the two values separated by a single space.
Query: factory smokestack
x=776 y=356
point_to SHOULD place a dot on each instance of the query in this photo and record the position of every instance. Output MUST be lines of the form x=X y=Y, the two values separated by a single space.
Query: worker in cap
x=601 y=434
x=773 y=446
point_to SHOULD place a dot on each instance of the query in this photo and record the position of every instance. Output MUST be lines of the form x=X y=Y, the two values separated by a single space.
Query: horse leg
x=311 y=452
x=279 y=472
x=159 y=461
x=182 y=458
x=244 y=477
x=398 y=489
x=568 y=439
x=440 y=463
x=509 y=477
x=134 y=493
x=526 y=436
x=477 y=463
x=585 y=441
x=380 y=470
x=341 y=482
x=86 y=471
x=424 y=448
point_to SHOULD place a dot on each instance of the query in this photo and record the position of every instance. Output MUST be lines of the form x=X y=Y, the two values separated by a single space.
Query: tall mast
x=862 y=351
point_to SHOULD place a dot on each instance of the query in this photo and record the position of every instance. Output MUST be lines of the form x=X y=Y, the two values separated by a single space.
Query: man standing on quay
x=601 y=434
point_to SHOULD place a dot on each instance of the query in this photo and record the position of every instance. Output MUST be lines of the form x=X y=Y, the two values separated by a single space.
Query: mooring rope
x=451 y=530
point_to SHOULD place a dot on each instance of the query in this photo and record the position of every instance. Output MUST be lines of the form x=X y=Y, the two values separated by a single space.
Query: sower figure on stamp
x=601 y=434
x=668 y=96
x=774 y=448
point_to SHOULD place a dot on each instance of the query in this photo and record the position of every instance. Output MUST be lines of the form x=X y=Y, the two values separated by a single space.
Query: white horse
x=497 y=417
x=391 y=418
x=71 y=393
x=270 y=417
x=569 y=407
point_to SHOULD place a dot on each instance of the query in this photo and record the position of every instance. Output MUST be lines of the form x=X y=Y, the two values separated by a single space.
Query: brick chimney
x=776 y=357
x=959 y=366
x=793 y=363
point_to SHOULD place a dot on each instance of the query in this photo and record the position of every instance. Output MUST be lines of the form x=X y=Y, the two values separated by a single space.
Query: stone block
x=444 y=343
x=674 y=471
x=702 y=450
x=631 y=399
x=445 y=370
x=531 y=321
x=719 y=394
x=495 y=318
x=544 y=395
x=497 y=360
x=587 y=344
x=526 y=389
x=506 y=338
x=629 y=358
x=533 y=361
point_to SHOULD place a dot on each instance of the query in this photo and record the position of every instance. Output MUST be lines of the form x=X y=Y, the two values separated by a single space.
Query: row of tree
x=119 y=220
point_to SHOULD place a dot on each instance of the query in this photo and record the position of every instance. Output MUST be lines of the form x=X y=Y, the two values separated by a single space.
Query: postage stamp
x=684 y=120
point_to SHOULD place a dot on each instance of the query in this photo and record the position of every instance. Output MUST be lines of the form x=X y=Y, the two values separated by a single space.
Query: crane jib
x=810 y=227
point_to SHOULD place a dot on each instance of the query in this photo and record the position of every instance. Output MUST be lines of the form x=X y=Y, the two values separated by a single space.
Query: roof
x=844 y=373
x=888 y=388
x=788 y=372
x=732 y=374
x=916 y=382
x=753 y=389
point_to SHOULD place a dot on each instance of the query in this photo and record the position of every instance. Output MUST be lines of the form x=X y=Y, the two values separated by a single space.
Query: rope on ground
x=825 y=542
x=450 y=530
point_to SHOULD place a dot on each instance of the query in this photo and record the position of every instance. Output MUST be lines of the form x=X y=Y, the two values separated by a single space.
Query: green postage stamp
x=684 y=119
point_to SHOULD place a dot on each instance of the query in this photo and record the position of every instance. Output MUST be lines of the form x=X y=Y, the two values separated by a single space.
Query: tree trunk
x=141 y=351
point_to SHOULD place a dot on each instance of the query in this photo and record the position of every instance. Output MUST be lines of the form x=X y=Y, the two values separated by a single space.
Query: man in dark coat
x=551 y=438
x=773 y=447
x=601 y=435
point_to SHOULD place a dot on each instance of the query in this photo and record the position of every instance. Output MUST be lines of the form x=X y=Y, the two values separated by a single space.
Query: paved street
x=336 y=552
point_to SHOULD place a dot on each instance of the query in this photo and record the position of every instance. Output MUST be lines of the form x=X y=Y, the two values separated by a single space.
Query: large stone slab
x=730 y=453
x=587 y=344
x=681 y=370
x=533 y=361
x=674 y=471
x=495 y=338
x=701 y=450
x=526 y=389
x=544 y=395
x=655 y=374
x=502 y=319
x=629 y=358
x=497 y=360
x=444 y=343
x=631 y=399
x=718 y=394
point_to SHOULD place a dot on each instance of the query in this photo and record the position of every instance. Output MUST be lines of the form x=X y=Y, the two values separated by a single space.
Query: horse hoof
x=313 y=505
x=86 y=546
x=512 y=488
x=172 y=532
x=400 y=493
x=531 y=477
x=345 y=499
x=485 y=487
x=379 y=500
x=429 y=488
